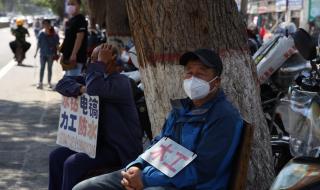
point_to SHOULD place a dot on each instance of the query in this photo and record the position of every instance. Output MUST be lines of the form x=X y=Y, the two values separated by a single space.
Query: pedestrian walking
x=74 y=47
x=48 y=42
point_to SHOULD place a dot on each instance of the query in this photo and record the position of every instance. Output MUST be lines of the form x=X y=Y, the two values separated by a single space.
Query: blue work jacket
x=211 y=131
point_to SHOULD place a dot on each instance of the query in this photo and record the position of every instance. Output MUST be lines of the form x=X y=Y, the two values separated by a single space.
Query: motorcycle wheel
x=19 y=55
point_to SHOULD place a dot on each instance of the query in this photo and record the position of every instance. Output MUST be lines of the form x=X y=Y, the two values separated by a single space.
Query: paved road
x=28 y=122
x=5 y=53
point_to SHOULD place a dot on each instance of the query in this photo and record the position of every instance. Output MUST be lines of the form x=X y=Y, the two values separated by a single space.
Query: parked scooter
x=300 y=111
x=278 y=63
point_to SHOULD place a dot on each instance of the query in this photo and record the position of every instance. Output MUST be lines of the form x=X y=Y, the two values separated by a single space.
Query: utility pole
x=288 y=12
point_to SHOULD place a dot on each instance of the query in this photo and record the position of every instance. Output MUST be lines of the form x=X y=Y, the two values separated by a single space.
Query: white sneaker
x=39 y=86
x=50 y=85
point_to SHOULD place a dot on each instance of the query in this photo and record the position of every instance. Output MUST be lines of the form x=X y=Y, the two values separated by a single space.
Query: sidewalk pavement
x=28 y=124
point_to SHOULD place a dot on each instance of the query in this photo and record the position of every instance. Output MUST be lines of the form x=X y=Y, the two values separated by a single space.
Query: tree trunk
x=113 y=14
x=97 y=11
x=163 y=30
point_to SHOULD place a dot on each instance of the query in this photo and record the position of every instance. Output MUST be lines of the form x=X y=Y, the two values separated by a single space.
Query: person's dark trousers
x=67 y=168
x=26 y=46
x=43 y=60
x=13 y=46
x=111 y=181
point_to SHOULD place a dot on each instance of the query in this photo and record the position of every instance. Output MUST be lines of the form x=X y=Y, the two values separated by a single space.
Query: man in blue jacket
x=205 y=123
x=119 y=139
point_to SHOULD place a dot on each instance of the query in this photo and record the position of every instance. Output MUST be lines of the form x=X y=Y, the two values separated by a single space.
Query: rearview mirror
x=304 y=44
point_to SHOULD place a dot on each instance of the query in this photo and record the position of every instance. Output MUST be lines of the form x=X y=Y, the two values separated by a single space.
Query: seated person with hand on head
x=119 y=135
x=205 y=123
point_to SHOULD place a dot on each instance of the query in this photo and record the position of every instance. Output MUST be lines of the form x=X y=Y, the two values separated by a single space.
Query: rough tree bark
x=113 y=13
x=96 y=11
x=163 y=30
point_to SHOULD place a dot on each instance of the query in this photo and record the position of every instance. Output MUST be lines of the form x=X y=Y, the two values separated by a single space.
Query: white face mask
x=196 y=88
x=71 y=9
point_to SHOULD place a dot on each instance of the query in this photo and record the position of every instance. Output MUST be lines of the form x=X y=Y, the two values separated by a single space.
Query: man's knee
x=111 y=181
x=58 y=156
x=70 y=164
x=53 y=157
x=84 y=185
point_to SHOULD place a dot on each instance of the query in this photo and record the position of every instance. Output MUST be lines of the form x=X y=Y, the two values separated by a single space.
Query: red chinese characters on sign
x=74 y=104
x=87 y=129
x=161 y=152
x=65 y=102
x=180 y=157
x=168 y=156
x=266 y=74
x=83 y=125
x=290 y=52
x=92 y=130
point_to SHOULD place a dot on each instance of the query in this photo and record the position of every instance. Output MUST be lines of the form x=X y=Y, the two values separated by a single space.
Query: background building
x=269 y=13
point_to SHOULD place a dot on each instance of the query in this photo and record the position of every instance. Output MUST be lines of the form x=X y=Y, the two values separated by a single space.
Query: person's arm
x=81 y=25
x=56 y=42
x=212 y=158
x=77 y=45
x=27 y=32
x=36 y=53
x=38 y=45
x=71 y=86
x=13 y=32
x=114 y=87
x=103 y=80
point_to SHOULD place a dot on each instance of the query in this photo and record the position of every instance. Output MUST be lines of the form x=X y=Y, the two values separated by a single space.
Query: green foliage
x=43 y=3
x=57 y=6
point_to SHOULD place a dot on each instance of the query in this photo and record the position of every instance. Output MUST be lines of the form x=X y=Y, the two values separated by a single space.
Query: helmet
x=19 y=22
x=286 y=28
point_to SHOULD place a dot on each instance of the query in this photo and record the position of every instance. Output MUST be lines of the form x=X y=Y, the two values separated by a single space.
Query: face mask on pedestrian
x=196 y=88
x=71 y=9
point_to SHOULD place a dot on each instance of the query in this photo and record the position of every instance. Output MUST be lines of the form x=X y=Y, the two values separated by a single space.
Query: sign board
x=295 y=4
x=78 y=124
x=168 y=156
x=281 y=5
x=314 y=9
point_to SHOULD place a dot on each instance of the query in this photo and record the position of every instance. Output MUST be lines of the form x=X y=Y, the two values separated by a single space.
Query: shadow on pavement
x=27 y=136
x=24 y=65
